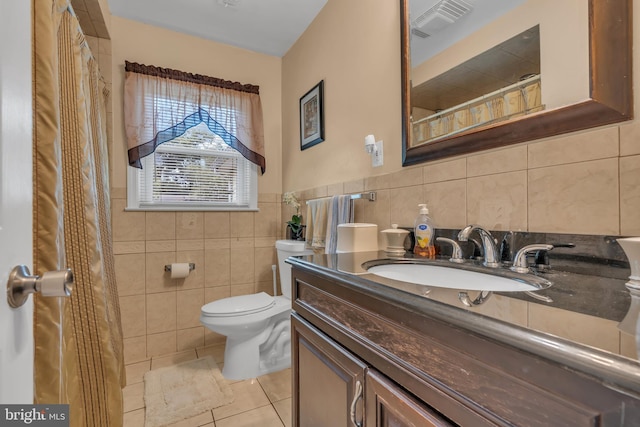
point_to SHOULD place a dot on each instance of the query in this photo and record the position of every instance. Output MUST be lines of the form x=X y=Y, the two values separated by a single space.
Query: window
x=194 y=142
x=194 y=171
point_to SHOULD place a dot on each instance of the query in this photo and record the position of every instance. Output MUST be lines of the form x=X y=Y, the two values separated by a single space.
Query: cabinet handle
x=356 y=396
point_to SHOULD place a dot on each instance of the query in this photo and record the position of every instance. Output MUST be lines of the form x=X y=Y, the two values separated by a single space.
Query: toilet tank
x=287 y=248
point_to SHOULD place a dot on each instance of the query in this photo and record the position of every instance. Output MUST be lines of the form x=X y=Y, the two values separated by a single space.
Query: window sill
x=189 y=209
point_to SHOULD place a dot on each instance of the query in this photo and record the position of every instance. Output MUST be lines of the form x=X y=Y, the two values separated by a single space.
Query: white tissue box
x=357 y=237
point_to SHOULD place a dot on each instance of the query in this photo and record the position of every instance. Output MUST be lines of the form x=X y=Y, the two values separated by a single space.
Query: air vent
x=229 y=3
x=439 y=16
x=417 y=32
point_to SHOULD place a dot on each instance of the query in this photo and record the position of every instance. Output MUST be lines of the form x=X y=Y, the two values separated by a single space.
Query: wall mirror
x=528 y=72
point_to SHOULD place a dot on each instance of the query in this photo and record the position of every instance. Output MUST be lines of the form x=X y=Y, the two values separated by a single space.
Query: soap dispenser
x=424 y=234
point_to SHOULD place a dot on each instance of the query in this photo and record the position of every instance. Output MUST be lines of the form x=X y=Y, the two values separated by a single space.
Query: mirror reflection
x=476 y=64
x=499 y=84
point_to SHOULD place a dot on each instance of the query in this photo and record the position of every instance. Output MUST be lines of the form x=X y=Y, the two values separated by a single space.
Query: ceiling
x=266 y=26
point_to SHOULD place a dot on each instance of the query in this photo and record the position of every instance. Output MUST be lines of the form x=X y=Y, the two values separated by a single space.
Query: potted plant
x=295 y=229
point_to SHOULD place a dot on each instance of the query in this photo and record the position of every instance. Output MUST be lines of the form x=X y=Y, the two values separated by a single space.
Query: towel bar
x=369 y=195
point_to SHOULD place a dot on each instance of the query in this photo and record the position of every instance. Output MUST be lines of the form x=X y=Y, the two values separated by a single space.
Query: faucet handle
x=520 y=260
x=506 y=247
x=456 y=256
x=541 y=258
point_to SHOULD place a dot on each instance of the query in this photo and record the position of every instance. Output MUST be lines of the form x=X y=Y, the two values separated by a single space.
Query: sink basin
x=456 y=277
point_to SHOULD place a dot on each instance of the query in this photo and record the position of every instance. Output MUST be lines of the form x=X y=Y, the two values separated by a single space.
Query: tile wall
x=233 y=253
x=584 y=183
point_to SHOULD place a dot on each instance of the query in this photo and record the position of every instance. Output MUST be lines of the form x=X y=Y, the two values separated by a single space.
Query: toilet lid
x=240 y=305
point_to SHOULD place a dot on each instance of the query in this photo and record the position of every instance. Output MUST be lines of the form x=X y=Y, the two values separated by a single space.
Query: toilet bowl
x=257 y=326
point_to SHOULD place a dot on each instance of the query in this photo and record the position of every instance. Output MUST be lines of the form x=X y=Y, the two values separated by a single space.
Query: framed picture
x=312 y=117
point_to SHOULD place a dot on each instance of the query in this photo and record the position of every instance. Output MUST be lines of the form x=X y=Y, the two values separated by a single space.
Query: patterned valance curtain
x=161 y=104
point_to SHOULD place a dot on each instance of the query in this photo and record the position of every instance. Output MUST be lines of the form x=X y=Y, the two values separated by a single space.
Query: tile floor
x=262 y=402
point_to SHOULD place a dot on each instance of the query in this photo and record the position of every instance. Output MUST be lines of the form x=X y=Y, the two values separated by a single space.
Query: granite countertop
x=601 y=298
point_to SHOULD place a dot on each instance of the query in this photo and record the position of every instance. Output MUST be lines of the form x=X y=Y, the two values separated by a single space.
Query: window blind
x=198 y=168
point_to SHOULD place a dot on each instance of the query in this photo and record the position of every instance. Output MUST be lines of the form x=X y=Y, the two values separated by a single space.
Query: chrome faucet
x=491 y=258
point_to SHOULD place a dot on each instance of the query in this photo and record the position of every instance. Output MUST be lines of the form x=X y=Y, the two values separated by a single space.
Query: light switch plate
x=377 y=158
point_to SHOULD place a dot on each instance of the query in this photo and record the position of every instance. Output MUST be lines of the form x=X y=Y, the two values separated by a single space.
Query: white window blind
x=194 y=171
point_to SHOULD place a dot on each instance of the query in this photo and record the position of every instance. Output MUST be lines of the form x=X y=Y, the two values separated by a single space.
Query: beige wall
x=586 y=182
x=233 y=251
x=355 y=48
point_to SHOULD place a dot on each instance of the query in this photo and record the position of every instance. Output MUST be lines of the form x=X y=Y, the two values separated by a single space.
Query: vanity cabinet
x=333 y=386
x=416 y=368
x=328 y=379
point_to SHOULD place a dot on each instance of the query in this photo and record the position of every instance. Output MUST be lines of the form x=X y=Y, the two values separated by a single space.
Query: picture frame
x=312 y=117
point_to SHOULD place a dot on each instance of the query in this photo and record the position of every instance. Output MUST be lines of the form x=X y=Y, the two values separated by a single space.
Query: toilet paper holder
x=192 y=267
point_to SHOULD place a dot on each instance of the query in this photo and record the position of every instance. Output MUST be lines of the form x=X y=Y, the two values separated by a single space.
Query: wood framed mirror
x=609 y=100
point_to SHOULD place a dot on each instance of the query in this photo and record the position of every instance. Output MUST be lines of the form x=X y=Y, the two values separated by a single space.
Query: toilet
x=257 y=326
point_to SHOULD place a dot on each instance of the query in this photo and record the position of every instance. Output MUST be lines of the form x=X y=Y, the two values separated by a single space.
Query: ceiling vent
x=439 y=16
x=229 y=3
x=417 y=32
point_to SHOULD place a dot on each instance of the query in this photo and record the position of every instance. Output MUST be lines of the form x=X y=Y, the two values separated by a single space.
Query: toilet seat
x=238 y=306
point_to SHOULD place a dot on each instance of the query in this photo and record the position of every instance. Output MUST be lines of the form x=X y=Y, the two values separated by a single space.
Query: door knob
x=52 y=284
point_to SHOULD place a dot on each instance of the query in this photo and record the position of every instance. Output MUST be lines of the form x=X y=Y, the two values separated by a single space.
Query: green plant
x=295 y=223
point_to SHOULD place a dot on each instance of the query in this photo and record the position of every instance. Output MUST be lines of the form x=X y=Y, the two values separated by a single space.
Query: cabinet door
x=327 y=380
x=387 y=405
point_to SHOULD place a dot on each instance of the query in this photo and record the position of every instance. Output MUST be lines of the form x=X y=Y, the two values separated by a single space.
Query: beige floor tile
x=247 y=394
x=135 y=371
x=250 y=407
x=172 y=359
x=277 y=386
x=133 y=397
x=134 y=418
x=197 y=421
x=283 y=408
x=265 y=416
x=216 y=351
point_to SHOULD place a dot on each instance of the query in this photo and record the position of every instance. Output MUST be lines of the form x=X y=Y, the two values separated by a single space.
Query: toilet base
x=269 y=351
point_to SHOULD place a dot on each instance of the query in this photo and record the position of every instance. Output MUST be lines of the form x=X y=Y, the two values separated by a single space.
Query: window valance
x=160 y=104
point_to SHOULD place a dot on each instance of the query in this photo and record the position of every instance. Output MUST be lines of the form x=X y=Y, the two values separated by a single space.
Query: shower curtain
x=78 y=340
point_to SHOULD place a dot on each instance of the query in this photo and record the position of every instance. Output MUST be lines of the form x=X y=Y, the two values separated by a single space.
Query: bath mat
x=183 y=391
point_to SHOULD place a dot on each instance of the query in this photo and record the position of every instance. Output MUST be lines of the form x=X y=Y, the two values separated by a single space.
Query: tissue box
x=357 y=237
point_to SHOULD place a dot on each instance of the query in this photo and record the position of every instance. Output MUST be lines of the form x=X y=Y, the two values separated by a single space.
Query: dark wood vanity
x=365 y=354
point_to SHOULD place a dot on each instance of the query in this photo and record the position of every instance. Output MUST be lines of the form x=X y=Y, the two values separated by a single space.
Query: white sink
x=456 y=278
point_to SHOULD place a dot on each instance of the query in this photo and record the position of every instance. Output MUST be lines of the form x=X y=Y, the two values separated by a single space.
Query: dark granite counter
x=576 y=324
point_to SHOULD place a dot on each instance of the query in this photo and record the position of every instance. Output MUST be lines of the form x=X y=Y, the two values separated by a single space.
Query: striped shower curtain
x=78 y=340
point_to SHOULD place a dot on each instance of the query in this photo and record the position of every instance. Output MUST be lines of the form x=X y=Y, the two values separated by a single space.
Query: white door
x=16 y=325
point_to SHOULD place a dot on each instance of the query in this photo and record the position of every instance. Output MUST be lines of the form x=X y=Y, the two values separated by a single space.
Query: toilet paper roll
x=179 y=270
